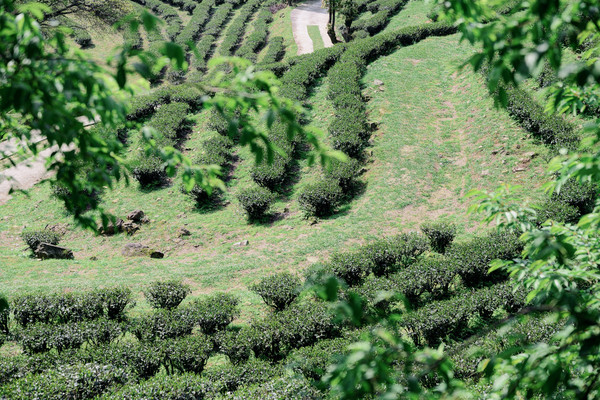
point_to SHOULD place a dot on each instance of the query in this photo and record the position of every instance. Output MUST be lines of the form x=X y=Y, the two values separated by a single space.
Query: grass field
x=437 y=132
x=315 y=36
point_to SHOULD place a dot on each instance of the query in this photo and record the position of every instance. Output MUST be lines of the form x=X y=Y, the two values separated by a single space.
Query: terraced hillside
x=419 y=133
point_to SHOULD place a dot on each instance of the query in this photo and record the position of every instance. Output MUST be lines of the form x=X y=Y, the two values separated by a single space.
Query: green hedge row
x=439 y=320
x=167 y=13
x=183 y=5
x=383 y=11
x=551 y=129
x=258 y=38
x=574 y=200
x=71 y=307
x=275 y=51
x=211 y=32
x=195 y=26
x=168 y=122
x=145 y=105
x=235 y=32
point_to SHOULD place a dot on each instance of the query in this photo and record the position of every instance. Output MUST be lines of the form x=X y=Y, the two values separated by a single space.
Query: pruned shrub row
x=450 y=318
x=258 y=38
x=167 y=13
x=275 y=50
x=211 y=31
x=236 y=30
x=383 y=11
x=168 y=121
x=278 y=291
x=195 y=26
x=567 y=205
x=145 y=105
x=183 y=5
x=71 y=307
x=551 y=129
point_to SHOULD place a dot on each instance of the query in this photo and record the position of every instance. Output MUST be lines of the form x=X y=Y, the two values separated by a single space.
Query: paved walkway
x=309 y=13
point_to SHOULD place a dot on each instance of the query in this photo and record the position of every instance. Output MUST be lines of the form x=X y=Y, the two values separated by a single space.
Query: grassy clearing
x=282 y=26
x=315 y=35
x=413 y=13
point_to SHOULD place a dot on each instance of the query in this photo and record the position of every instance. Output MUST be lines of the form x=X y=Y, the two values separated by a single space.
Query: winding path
x=309 y=13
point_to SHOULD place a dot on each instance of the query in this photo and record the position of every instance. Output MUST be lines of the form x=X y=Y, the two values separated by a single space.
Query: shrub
x=166 y=294
x=4 y=315
x=271 y=175
x=235 y=32
x=352 y=267
x=40 y=337
x=231 y=377
x=312 y=361
x=148 y=170
x=116 y=301
x=67 y=382
x=234 y=346
x=389 y=255
x=33 y=238
x=278 y=291
x=558 y=211
x=472 y=259
x=215 y=312
x=275 y=51
x=256 y=201
x=188 y=354
x=440 y=235
x=343 y=173
x=163 y=324
x=432 y=275
x=145 y=359
x=320 y=199
x=257 y=39
x=279 y=388
x=166 y=387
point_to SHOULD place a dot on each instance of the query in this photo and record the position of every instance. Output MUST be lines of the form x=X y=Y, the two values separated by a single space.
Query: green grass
x=413 y=13
x=315 y=35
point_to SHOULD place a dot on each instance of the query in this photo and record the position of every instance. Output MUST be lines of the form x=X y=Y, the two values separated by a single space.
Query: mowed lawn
x=438 y=135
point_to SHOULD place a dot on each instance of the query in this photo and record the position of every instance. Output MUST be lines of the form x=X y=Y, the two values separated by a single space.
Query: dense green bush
x=211 y=31
x=352 y=267
x=312 y=361
x=343 y=173
x=258 y=38
x=187 y=354
x=271 y=175
x=440 y=235
x=104 y=331
x=40 y=337
x=72 y=307
x=163 y=324
x=4 y=315
x=67 y=382
x=167 y=387
x=278 y=291
x=256 y=201
x=230 y=377
x=236 y=29
x=148 y=170
x=279 y=388
x=200 y=16
x=391 y=254
x=215 y=312
x=432 y=275
x=33 y=238
x=166 y=294
x=472 y=259
x=235 y=346
x=320 y=199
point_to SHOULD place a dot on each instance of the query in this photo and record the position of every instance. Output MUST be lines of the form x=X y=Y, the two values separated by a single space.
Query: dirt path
x=309 y=13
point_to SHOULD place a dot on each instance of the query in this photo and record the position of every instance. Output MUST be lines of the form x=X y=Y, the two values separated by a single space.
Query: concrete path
x=309 y=13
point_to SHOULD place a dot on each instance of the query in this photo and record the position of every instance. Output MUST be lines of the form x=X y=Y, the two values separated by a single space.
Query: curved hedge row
x=167 y=13
x=211 y=31
x=200 y=16
x=235 y=32
x=258 y=38
x=383 y=11
x=275 y=51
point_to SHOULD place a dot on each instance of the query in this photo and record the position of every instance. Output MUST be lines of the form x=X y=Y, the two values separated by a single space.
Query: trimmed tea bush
x=320 y=199
x=256 y=201
x=280 y=388
x=431 y=275
x=278 y=291
x=472 y=259
x=231 y=377
x=68 y=382
x=167 y=387
x=312 y=361
x=440 y=235
x=167 y=294
x=352 y=267
x=343 y=173
x=234 y=345
x=215 y=312
x=188 y=354
x=33 y=238
x=391 y=254
x=4 y=315
x=275 y=51
x=163 y=324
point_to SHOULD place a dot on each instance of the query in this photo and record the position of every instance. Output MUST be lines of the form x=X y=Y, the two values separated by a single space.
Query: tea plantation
x=219 y=295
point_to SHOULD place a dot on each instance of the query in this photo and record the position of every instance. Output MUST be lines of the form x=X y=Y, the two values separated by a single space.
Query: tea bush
x=279 y=388
x=391 y=254
x=235 y=32
x=200 y=16
x=278 y=291
x=231 y=377
x=234 y=345
x=320 y=199
x=163 y=324
x=33 y=238
x=256 y=201
x=4 y=315
x=67 y=382
x=312 y=361
x=166 y=387
x=166 y=294
x=258 y=38
x=187 y=354
x=440 y=235
x=343 y=173
x=472 y=259
x=351 y=267
x=215 y=312
x=275 y=51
